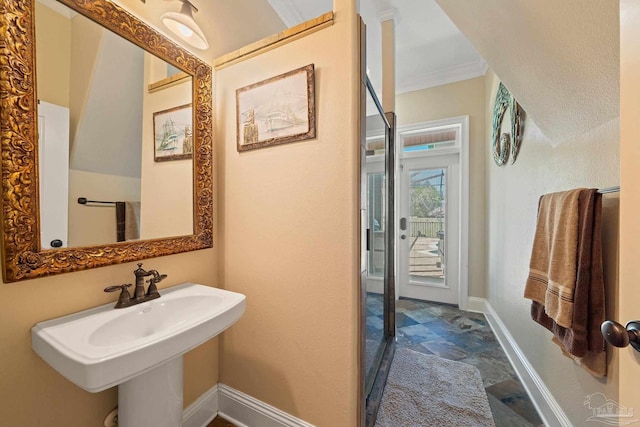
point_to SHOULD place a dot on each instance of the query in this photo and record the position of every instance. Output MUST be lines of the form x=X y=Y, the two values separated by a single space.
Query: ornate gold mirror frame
x=23 y=257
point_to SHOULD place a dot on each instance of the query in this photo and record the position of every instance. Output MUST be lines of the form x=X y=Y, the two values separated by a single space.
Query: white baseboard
x=238 y=408
x=203 y=410
x=476 y=305
x=375 y=285
x=547 y=406
x=246 y=411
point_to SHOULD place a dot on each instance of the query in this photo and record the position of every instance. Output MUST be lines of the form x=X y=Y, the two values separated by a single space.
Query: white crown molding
x=443 y=76
x=287 y=11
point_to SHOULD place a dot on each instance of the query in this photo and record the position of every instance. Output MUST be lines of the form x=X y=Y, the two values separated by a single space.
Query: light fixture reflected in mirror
x=184 y=26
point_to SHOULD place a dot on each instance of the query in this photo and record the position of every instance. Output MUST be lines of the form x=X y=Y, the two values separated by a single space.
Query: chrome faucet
x=139 y=294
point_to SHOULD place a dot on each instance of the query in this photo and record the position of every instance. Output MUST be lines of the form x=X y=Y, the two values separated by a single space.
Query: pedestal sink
x=139 y=348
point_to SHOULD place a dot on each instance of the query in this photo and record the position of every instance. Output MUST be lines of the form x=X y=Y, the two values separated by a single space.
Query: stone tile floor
x=446 y=331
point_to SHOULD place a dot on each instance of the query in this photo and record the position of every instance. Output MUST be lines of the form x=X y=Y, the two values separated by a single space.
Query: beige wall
x=630 y=204
x=388 y=94
x=31 y=392
x=244 y=22
x=91 y=224
x=462 y=98
x=166 y=207
x=513 y=191
x=53 y=56
x=289 y=226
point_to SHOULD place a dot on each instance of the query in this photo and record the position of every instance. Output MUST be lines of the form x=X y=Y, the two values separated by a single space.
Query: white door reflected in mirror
x=53 y=152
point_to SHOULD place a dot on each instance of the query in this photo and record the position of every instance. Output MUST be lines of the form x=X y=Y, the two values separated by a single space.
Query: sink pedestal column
x=153 y=398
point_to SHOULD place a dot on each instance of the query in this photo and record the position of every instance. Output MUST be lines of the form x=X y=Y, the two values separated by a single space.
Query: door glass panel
x=429 y=139
x=427 y=226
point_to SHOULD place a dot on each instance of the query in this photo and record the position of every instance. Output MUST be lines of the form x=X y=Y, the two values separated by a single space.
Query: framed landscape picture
x=173 y=134
x=277 y=110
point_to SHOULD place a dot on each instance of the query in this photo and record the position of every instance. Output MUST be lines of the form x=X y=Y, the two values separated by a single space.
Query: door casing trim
x=463 y=150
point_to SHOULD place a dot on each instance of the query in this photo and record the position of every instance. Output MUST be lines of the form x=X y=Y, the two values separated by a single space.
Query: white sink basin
x=103 y=347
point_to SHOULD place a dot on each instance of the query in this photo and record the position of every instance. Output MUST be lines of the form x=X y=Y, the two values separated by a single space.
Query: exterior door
x=430 y=227
x=53 y=158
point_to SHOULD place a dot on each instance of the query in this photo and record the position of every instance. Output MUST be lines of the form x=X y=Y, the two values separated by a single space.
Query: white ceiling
x=430 y=50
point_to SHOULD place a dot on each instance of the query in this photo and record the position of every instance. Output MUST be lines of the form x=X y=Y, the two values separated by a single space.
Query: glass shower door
x=378 y=278
x=375 y=331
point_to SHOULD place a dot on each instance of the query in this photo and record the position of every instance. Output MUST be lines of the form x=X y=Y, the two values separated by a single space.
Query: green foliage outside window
x=426 y=202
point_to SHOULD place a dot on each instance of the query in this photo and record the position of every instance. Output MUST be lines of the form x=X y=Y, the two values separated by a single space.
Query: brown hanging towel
x=120 y=221
x=565 y=277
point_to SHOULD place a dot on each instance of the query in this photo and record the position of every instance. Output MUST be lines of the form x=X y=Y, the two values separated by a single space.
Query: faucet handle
x=124 y=300
x=117 y=287
x=158 y=277
x=152 y=290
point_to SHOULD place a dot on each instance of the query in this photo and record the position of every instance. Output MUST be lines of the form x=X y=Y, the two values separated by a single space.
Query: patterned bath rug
x=428 y=391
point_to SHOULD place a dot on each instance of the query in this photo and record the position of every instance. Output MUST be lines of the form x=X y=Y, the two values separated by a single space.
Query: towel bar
x=609 y=190
x=621 y=336
x=84 y=201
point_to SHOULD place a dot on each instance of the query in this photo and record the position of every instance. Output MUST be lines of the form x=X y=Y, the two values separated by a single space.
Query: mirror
x=98 y=154
x=158 y=108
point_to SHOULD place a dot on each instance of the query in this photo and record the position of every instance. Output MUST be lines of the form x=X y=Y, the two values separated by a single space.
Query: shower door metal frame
x=370 y=401
x=374 y=397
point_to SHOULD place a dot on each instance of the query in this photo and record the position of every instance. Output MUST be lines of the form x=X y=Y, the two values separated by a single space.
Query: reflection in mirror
x=94 y=143
x=176 y=196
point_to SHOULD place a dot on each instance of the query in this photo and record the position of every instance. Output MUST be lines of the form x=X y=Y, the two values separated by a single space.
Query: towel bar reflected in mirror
x=84 y=201
x=621 y=336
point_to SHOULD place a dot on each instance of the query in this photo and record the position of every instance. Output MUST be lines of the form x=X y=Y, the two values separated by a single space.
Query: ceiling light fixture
x=184 y=26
